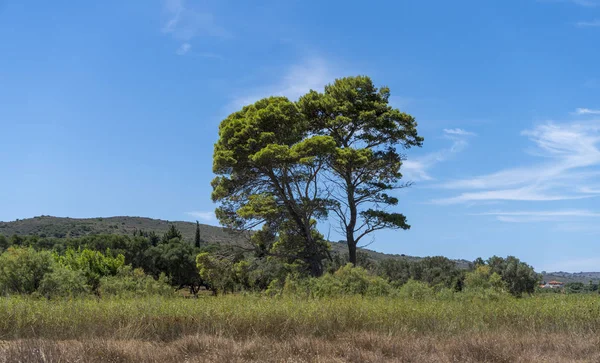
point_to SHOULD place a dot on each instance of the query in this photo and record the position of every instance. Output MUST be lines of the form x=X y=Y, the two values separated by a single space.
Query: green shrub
x=93 y=264
x=416 y=290
x=348 y=280
x=446 y=294
x=22 y=269
x=130 y=282
x=63 y=282
x=483 y=278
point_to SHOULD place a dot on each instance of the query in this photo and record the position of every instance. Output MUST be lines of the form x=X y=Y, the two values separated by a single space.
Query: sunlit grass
x=243 y=316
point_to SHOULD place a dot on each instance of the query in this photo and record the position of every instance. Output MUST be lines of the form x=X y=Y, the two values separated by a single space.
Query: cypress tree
x=197 y=239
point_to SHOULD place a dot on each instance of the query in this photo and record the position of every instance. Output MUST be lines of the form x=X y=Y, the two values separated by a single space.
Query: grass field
x=554 y=328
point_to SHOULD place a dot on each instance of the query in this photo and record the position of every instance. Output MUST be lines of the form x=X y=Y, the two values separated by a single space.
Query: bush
x=130 y=282
x=22 y=269
x=519 y=277
x=63 y=282
x=483 y=278
x=93 y=264
x=348 y=280
x=416 y=290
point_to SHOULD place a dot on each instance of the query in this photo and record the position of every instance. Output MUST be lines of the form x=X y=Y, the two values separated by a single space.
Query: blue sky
x=112 y=108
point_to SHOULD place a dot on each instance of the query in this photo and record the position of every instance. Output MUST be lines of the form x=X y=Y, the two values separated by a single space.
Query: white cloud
x=417 y=169
x=586 y=111
x=588 y=24
x=184 y=48
x=312 y=73
x=203 y=216
x=460 y=132
x=570 y=153
x=584 y=3
x=185 y=23
x=540 y=216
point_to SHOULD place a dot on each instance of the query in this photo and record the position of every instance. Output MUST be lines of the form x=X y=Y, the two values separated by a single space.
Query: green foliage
x=63 y=282
x=519 y=277
x=3 y=243
x=23 y=269
x=176 y=259
x=483 y=278
x=348 y=280
x=197 y=238
x=267 y=167
x=216 y=273
x=93 y=264
x=172 y=233
x=416 y=290
x=365 y=164
x=130 y=282
x=435 y=271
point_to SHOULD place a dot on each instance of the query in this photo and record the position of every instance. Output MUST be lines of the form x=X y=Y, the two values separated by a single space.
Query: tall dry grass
x=551 y=328
x=357 y=347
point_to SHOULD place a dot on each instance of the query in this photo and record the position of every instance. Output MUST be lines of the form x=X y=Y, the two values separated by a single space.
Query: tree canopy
x=286 y=165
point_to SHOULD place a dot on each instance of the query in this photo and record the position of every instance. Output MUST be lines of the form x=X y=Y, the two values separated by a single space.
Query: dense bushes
x=130 y=282
x=63 y=282
x=435 y=271
x=347 y=280
x=24 y=270
x=97 y=264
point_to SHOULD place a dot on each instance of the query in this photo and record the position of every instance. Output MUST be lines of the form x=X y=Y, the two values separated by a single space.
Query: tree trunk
x=352 y=251
x=352 y=222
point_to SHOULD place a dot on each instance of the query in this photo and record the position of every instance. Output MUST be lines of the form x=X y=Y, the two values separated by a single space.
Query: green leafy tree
x=173 y=232
x=63 y=282
x=23 y=269
x=267 y=165
x=176 y=258
x=365 y=167
x=217 y=273
x=482 y=277
x=519 y=276
x=93 y=264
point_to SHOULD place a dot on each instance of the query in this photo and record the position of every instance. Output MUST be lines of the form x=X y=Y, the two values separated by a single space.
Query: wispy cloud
x=184 y=23
x=570 y=155
x=540 y=216
x=184 y=48
x=586 y=111
x=584 y=3
x=417 y=169
x=203 y=216
x=459 y=132
x=312 y=73
x=588 y=24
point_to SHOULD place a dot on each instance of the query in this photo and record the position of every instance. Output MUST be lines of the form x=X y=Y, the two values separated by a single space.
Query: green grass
x=243 y=316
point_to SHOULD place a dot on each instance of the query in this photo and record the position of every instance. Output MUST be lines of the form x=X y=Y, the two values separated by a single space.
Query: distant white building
x=553 y=285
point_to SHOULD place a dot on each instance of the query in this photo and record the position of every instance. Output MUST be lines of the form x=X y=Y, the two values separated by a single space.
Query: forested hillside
x=59 y=227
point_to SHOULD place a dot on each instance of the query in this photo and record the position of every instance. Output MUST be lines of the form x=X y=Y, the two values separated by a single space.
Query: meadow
x=459 y=328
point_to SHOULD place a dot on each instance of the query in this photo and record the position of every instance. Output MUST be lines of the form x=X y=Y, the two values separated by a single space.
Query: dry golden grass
x=262 y=329
x=360 y=347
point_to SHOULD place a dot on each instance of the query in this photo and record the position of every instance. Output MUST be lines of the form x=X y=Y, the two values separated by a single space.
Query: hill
x=48 y=226
x=584 y=277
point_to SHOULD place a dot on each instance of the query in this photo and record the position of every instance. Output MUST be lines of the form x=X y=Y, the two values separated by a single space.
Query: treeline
x=145 y=263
